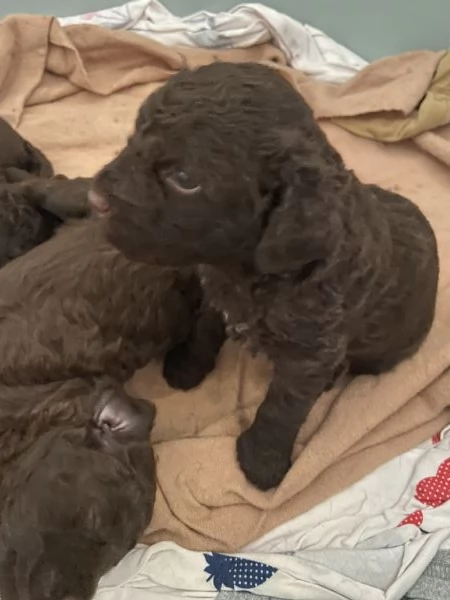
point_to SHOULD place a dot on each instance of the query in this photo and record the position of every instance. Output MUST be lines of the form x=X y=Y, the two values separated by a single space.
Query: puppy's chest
x=241 y=301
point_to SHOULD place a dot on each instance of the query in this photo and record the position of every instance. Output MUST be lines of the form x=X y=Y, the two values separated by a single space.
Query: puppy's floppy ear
x=299 y=223
x=124 y=417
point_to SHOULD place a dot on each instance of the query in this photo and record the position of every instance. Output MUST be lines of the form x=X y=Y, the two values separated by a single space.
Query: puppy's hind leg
x=187 y=364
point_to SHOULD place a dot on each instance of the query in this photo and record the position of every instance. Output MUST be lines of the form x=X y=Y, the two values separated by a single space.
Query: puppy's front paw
x=263 y=465
x=182 y=370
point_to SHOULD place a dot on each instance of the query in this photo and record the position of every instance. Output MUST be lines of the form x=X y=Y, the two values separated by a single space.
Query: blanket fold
x=74 y=93
x=393 y=99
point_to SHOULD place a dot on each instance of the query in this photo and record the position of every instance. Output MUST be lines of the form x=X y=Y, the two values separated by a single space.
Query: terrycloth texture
x=74 y=93
x=398 y=98
x=422 y=113
x=82 y=85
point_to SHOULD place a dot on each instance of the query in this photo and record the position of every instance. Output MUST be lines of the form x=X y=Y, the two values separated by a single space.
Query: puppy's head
x=76 y=502
x=225 y=165
x=53 y=567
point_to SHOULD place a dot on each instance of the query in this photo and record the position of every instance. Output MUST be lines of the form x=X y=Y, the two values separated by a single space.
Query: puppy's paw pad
x=263 y=466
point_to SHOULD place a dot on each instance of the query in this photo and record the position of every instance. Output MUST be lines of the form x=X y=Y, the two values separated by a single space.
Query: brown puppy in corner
x=78 y=498
x=18 y=153
x=33 y=201
x=228 y=170
x=32 y=209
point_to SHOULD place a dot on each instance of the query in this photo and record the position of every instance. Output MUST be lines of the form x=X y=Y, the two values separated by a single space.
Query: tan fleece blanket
x=74 y=93
x=398 y=98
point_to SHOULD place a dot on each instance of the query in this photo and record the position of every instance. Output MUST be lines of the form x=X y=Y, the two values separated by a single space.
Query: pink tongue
x=98 y=203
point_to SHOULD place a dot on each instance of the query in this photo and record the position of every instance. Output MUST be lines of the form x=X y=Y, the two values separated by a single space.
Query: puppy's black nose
x=98 y=203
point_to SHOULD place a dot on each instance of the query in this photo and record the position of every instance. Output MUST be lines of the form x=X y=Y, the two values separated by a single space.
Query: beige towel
x=397 y=98
x=74 y=93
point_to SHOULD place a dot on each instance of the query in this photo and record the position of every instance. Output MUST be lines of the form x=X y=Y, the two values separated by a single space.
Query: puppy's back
x=75 y=306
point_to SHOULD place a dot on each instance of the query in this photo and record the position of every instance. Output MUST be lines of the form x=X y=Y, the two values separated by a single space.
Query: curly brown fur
x=227 y=169
x=75 y=306
x=79 y=498
x=77 y=319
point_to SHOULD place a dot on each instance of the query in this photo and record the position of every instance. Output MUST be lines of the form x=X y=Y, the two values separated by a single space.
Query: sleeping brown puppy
x=78 y=499
x=76 y=320
x=228 y=170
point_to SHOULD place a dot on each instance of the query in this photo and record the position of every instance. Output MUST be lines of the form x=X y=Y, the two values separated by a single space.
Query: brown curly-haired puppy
x=76 y=320
x=78 y=498
x=228 y=170
x=33 y=202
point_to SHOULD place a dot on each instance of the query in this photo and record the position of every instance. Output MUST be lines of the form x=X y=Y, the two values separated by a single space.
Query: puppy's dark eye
x=182 y=183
